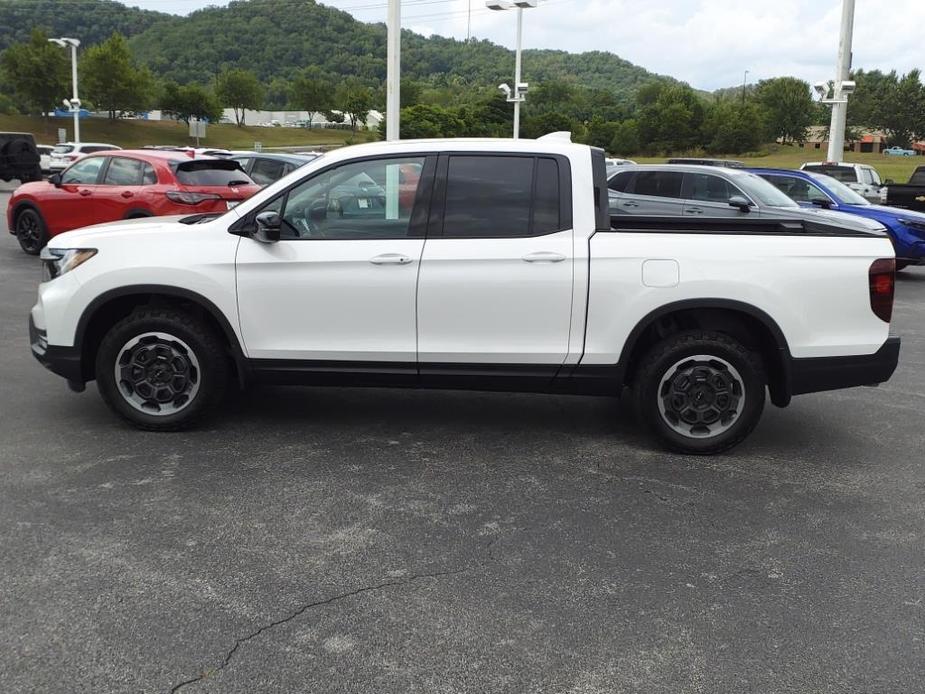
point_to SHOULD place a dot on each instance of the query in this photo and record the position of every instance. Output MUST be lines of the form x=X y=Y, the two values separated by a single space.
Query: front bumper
x=831 y=373
x=64 y=361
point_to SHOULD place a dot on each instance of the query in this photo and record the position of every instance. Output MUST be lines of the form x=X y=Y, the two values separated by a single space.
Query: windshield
x=211 y=172
x=762 y=191
x=845 y=174
x=63 y=149
x=841 y=191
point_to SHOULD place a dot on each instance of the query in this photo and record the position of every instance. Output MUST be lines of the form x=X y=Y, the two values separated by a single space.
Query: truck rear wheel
x=161 y=369
x=700 y=392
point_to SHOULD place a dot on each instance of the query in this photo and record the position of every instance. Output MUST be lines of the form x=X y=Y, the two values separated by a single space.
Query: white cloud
x=708 y=43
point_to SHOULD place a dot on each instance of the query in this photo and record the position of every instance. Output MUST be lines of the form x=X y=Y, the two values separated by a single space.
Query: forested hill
x=276 y=38
x=91 y=21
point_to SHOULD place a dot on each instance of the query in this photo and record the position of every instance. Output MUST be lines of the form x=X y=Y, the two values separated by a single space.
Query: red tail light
x=882 y=288
x=185 y=197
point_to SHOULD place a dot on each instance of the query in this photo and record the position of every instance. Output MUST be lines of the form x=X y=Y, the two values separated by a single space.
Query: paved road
x=360 y=541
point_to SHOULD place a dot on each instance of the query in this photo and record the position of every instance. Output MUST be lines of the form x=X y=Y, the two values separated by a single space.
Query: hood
x=897 y=212
x=821 y=216
x=126 y=229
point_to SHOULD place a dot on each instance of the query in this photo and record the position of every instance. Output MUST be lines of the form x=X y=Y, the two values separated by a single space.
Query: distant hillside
x=91 y=21
x=276 y=38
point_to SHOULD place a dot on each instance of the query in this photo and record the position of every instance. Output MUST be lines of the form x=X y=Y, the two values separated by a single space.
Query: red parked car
x=124 y=184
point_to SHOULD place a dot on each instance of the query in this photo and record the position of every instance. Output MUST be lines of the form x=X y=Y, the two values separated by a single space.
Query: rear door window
x=619 y=182
x=210 y=172
x=502 y=196
x=662 y=184
x=123 y=171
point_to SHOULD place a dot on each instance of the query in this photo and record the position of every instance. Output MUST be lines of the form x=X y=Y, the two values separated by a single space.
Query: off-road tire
x=664 y=359
x=188 y=333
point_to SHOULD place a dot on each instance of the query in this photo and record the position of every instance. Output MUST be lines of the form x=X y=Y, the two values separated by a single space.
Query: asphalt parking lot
x=338 y=540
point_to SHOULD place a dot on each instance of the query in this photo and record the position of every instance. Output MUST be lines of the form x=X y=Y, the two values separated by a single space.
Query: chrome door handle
x=543 y=257
x=630 y=204
x=390 y=259
x=694 y=210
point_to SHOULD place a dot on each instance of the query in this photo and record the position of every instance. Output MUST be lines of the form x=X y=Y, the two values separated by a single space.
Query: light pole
x=74 y=102
x=393 y=71
x=518 y=94
x=744 y=87
x=843 y=86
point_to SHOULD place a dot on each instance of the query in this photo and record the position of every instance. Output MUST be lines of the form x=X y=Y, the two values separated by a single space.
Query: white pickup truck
x=478 y=264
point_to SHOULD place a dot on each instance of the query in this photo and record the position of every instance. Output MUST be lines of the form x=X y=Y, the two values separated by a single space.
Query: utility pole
x=517 y=61
x=744 y=87
x=393 y=72
x=518 y=94
x=842 y=75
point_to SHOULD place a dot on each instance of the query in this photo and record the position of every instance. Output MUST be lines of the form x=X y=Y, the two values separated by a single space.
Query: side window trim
x=435 y=225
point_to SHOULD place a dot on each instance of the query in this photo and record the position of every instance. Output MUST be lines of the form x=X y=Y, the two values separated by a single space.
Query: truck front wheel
x=700 y=392
x=161 y=369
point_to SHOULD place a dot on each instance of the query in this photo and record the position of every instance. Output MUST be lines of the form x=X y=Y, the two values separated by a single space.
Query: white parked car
x=861 y=178
x=480 y=264
x=45 y=157
x=66 y=153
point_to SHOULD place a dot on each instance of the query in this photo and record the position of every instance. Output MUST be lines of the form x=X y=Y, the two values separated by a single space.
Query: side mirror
x=741 y=203
x=55 y=180
x=889 y=182
x=268 y=226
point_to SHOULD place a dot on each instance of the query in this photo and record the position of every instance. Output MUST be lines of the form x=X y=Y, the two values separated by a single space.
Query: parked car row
x=696 y=190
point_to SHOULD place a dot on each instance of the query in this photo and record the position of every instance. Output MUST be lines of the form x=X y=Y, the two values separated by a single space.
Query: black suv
x=19 y=158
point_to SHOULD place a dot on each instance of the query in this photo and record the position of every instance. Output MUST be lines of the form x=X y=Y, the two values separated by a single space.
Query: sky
x=707 y=43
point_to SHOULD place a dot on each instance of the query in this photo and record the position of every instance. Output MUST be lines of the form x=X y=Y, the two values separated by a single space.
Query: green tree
x=37 y=71
x=355 y=99
x=279 y=94
x=312 y=92
x=903 y=114
x=625 y=140
x=410 y=94
x=545 y=123
x=422 y=120
x=788 y=104
x=670 y=118
x=731 y=127
x=239 y=90
x=111 y=79
x=190 y=101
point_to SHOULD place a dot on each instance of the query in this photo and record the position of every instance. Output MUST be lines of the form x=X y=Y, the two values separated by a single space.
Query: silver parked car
x=666 y=190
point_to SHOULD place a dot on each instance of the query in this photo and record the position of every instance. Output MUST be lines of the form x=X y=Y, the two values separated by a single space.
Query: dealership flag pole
x=843 y=74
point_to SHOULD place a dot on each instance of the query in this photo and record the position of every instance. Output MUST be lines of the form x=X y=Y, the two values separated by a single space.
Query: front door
x=340 y=284
x=73 y=204
x=497 y=271
x=708 y=195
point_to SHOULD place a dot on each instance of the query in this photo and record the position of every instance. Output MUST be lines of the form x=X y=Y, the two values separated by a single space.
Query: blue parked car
x=906 y=228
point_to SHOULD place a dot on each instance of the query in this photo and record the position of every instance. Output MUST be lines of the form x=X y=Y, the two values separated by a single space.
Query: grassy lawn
x=137 y=133
x=897 y=168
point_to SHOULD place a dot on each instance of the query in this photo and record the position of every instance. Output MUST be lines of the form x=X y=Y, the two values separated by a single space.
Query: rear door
x=120 y=194
x=265 y=171
x=654 y=193
x=708 y=195
x=496 y=276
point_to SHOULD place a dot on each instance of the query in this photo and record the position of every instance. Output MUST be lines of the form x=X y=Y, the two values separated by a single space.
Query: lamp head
x=506 y=89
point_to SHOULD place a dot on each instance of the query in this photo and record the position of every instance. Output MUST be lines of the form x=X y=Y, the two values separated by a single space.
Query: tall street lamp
x=842 y=87
x=518 y=94
x=74 y=102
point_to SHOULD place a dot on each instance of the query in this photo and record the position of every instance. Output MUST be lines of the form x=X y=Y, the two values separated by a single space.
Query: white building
x=294 y=119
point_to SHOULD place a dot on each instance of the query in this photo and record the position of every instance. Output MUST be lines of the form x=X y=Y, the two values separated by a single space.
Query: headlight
x=57 y=261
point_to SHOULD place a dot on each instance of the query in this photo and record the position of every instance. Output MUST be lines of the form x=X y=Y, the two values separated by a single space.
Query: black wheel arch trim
x=780 y=392
x=207 y=305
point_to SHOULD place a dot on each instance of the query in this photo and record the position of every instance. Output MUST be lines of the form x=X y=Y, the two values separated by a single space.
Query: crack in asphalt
x=302 y=610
